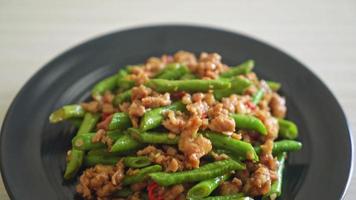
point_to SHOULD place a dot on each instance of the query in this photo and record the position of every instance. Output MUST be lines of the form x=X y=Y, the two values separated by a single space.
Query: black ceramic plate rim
x=47 y=66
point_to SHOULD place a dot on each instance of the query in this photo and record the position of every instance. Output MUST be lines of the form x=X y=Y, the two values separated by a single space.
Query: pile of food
x=180 y=127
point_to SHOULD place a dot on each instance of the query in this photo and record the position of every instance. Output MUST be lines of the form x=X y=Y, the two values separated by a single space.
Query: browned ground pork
x=203 y=112
x=169 y=159
x=100 y=181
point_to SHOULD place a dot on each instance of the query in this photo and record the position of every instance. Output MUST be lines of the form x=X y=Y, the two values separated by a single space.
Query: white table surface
x=321 y=34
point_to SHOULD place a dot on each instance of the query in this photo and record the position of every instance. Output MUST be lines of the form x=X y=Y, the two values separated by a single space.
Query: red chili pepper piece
x=104 y=124
x=104 y=116
x=151 y=191
x=204 y=115
x=177 y=95
x=250 y=105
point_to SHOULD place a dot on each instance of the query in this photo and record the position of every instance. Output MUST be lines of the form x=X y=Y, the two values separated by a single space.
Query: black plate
x=33 y=151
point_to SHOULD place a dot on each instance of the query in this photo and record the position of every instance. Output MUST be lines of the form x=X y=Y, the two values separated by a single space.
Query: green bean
x=123 y=81
x=76 y=156
x=173 y=71
x=238 y=86
x=258 y=96
x=89 y=122
x=92 y=160
x=126 y=84
x=188 y=76
x=153 y=118
x=85 y=141
x=122 y=97
x=125 y=143
x=120 y=121
x=100 y=152
x=250 y=123
x=287 y=129
x=286 y=146
x=124 y=192
x=141 y=175
x=153 y=137
x=67 y=112
x=275 y=86
x=194 y=85
x=206 y=187
x=105 y=85
x=283 y=146
x=207 y=171
x=276 y=187
x=106 y=153
x=228 y=153
x=74 y=163
x=228 y=197
x=122 y=73
x=137 y=162
x=237 y=147
x=243 y=68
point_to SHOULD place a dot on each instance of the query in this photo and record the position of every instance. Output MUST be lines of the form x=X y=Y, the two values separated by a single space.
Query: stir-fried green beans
x=67 y=112
x=125 y=143
x=88 y=123
x=238 y=86
x=286 y=146
x=194 y=85
x=92 y=160
x=173 y=71
x=75 y=160
x=188 y=148
x=141 y=175
x=258 y=96
x=237 y=147
x=207 y=171
x=249 y=122
x=287 y=129
x=120 y=121
x=105 y=152
x=105 y=85
x=206 y=187
x=243 y=68
x=188 y=76
x=275 y=86
x=226 y=152
x=76 y=156
x=137 y=162
x=283 y=146
x=153 y=137
x=122 y=97
x=85 y=141
x=154 y=117
x=123 y=81
x=276 y=187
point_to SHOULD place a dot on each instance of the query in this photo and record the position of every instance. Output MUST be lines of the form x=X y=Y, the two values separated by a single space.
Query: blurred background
x=319 y=33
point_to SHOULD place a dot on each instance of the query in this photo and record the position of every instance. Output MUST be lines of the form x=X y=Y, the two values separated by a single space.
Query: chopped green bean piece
x=287 y=129
x=275 y=86
x=207 y=171
x=137 y=161
x=243 y=68
x=67 y=112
